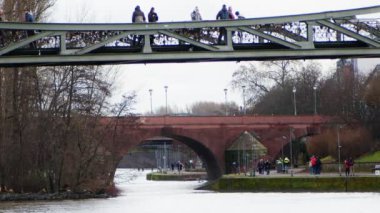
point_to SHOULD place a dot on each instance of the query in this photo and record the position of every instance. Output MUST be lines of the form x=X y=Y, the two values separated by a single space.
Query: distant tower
x=347 y=70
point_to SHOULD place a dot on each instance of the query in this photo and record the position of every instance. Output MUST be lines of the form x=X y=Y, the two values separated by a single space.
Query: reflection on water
x=139 y=195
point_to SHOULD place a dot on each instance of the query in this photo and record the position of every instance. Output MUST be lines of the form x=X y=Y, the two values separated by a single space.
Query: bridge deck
x=331 y=34
x=234 y=120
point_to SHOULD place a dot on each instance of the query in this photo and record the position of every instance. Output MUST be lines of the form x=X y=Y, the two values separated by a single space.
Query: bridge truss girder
x=333 y=34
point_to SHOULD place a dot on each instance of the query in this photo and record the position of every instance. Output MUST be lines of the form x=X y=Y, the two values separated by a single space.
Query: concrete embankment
x=295 y=184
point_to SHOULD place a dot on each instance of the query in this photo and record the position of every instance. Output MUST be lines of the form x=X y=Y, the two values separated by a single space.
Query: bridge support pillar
x=147 y=47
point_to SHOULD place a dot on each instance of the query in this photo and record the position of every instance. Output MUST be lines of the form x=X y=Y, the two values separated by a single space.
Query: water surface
x=142 y=196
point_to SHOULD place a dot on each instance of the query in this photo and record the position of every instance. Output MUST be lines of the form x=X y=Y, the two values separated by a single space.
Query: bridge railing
x=336 y=29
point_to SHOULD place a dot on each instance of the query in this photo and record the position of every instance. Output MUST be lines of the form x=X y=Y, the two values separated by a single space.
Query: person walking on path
x=286 y=163
x=222 y=15
x=352 y=163
x=313 y=164
x=267 y=167
x=348 y=164
x=318 y=166
x=347 y=167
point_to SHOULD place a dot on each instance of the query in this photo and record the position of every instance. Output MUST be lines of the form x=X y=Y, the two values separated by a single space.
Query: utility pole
x=225 y=101
x=151 y=100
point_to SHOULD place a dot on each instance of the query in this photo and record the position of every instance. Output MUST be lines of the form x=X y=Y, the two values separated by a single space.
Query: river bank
x=47 y=196
x=122 y=176
x=300 y=183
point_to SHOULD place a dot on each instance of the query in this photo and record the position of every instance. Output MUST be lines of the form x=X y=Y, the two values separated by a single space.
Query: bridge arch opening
x=161 y=155
x=212 y=166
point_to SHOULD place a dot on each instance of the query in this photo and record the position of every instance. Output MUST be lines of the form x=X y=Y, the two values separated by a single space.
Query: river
x=142 y=196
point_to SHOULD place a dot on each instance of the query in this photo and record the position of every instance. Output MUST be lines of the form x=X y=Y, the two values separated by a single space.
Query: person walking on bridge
x=239 y=33
x=196 y=16
x=152 y=18
x=152 y=15
x=222 y=15
x=231 y=14
x=29 y=18
x=2 y=34
x=138 y=16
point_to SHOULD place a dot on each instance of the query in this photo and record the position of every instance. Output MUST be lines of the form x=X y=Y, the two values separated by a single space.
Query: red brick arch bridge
x=210 y=137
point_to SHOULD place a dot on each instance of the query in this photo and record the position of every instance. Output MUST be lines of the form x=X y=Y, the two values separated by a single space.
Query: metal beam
x=190 y=41
x=27 y=41
x=349 y=33
x=270 y=38
x=365 y=27
x=101 y=44
x=128 y=58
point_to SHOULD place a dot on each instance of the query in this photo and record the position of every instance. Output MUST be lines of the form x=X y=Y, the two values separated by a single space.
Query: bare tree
x=269 y=90
x=213 y=109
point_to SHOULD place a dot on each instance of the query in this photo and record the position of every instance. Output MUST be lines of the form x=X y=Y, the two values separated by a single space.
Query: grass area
x=176 y=177
x=328 y=159
x=373 y=157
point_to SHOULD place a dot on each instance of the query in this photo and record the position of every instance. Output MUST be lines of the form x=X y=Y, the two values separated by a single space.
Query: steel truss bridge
x=334 y=34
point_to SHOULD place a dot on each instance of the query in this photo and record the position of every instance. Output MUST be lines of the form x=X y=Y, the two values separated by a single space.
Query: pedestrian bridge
x=333 y=34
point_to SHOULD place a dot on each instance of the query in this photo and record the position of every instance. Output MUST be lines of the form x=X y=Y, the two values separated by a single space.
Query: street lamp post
x=157 y=158
x=225 y=100
x=166 y=99
x=151 y=100
x=254 y=159
x=282 y=153
x=246 y=164
x=244 y=107
x=282 y=147
x=165 y=157
x=294 y=100
x=291 y=151
x=339 y=147
x=315 y=99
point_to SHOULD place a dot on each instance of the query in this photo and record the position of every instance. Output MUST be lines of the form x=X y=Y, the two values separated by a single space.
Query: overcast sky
x=190 y=82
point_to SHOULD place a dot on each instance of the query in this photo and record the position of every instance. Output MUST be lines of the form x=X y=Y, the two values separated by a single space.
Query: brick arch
x=210 y=137
x=213 y=168
x=135 y=136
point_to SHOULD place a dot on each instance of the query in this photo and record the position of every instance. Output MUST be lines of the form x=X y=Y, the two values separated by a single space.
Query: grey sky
x=189 y=82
